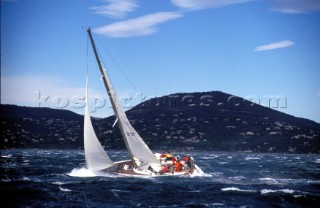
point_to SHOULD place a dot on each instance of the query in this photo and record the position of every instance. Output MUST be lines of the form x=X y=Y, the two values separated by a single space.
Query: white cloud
x=38 y=91
x=276 y=45
x=295 y=6
x=140 y=26
x=22 y=90
x=205 y=4
x=115 y=8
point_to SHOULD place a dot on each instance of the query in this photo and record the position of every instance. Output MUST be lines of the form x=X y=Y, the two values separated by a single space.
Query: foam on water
x=6 y=156
x=236 y=189
x=84 y=172
x=207 y=158
x=26 y=179
x=200 y=175
x=237 y=177
x=252 y=158
x=269 y=180
x=287 y=191
x=64 y=189
x=58 y=183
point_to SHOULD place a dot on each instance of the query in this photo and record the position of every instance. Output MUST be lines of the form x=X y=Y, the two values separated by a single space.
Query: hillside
x=200 y=121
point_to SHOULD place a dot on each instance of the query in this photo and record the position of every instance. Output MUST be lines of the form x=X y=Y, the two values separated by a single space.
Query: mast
x=139 y=151
x=107 y=84
x=106 y=81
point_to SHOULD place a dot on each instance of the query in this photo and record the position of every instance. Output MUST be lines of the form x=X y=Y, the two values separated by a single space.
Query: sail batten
x=96 y=158
x=139 y=151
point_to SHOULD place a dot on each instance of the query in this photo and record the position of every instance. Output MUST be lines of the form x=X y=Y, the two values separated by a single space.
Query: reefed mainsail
x=140 y=153
x=96 y=158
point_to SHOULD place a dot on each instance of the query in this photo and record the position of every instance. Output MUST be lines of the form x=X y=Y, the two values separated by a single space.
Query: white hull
x=125 y=168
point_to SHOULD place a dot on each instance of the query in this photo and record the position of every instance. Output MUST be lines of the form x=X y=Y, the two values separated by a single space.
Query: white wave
x=33 y=179
x=216 y=174
x=206 y=158
x=6 y=180
x=58 y=183
x=236 y=189
x=118 y=190
x=313 y=181
x=266 y=191
x=237 y=177
x=252 y=158
x=6 y=156
x=281 y=157
x=194 y=191
x=64 y=189
x=84 y=172
x=288 y=191
x=199 y=175
x=317 y=160
x=267 y=179
x=26 y=179
x=214 y=204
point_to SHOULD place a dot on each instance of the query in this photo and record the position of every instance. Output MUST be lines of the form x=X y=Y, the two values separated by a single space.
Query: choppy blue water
x=55 y=178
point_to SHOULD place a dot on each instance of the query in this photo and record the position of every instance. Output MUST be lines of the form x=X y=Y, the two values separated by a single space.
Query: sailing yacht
x=142 y=160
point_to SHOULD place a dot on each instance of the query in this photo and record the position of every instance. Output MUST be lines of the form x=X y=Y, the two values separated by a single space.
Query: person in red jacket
x=178 y=166
x=165 y=169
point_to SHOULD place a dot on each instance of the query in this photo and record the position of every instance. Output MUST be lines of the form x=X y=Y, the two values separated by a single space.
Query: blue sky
x=257 y=49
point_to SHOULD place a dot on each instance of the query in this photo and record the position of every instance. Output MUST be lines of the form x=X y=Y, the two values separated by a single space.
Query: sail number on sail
x=130 y=133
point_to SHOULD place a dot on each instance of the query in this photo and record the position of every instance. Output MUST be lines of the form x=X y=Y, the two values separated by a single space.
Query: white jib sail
x=96 y=158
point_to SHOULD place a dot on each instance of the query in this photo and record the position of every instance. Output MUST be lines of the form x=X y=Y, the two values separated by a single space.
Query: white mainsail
x=96 y=158
x=140 y=153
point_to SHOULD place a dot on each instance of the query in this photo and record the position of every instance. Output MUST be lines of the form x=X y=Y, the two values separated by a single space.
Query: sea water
x=58 y=178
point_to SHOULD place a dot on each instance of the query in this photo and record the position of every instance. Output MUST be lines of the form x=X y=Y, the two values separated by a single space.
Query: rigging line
x=98 y=71
x=87 y=76
x=114 y=87
x=123 y=73
x=87 y=56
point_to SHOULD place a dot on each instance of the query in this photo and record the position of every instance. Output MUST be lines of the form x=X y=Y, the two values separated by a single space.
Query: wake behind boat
x=143 y=161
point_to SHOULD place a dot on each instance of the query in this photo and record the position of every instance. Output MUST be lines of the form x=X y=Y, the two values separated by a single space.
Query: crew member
x=163 y=155
x=165 y=169
x=169 y=157
x=185 y=159
x=190 y=164
x=178 y=166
